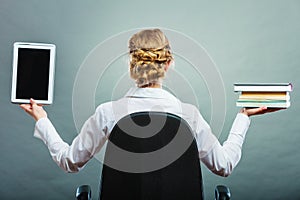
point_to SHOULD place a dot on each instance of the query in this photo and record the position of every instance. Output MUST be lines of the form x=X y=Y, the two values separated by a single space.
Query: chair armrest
x=84 y=192
x=222 y=193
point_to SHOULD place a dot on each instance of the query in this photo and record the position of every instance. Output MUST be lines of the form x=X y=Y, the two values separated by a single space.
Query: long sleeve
x=222 y=159
x=72 y=158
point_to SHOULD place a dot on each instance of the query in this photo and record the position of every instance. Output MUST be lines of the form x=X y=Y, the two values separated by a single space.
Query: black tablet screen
x=33 y=74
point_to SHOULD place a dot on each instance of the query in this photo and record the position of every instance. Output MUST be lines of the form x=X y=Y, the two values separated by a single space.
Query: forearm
x=66 y=157
x=222 y=159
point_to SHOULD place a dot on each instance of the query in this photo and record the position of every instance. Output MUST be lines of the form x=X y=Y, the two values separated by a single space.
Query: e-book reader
x=33 y=72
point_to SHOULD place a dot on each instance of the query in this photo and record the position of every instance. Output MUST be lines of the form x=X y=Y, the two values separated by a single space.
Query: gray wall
x=249 y=41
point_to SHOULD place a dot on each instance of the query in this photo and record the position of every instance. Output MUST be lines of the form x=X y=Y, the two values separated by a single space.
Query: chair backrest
x=151 y=156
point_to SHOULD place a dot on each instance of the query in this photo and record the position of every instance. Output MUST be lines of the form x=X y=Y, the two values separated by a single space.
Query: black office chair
x=151 y=156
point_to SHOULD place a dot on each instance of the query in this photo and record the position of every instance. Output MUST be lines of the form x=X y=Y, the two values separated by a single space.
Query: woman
x=150 y=58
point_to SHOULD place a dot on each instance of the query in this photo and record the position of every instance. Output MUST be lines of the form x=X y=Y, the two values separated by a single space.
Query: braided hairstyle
x=150 y=53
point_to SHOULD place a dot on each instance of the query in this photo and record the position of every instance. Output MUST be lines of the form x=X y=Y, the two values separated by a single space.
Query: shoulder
x=190 y=110
x=104 y=110
x=103 y=106
x=193 y=116
x=112 y=110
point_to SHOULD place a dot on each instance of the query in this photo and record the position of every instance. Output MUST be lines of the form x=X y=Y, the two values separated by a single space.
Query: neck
x=151 y=85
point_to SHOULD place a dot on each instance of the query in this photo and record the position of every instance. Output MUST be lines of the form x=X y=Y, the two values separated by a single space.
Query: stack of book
x=273 y=95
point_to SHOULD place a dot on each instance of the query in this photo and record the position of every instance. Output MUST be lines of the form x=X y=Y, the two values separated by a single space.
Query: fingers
x=253 y=111
x=25 y=107
x=274 y=109
x=33 y=102
x=29 y=107
x=34 y=109
x=259 y=111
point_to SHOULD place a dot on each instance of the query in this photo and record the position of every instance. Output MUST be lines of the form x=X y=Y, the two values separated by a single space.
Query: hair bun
x=149 y=54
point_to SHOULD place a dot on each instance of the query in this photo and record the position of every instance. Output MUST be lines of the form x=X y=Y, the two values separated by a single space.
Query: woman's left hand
x=34 y=110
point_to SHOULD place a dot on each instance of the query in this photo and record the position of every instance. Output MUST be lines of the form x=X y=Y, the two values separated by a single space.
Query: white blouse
x=220 y=159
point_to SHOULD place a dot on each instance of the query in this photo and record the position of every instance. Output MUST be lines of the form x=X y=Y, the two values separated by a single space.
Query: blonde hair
x=149 y=52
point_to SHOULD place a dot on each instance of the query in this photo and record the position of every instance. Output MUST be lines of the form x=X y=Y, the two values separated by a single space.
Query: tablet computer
x=33 y=72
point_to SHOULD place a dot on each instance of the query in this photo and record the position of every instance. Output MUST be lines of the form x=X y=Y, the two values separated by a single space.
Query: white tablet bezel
x=29 y=45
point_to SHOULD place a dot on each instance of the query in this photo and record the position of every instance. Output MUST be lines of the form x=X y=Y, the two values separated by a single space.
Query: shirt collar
x=156 y=93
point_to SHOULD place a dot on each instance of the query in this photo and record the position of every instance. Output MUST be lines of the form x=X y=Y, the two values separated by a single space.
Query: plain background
x=249 y=41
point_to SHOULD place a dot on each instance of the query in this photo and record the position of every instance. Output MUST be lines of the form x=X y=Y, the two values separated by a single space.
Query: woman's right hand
x=34 y=110
x=258 y=111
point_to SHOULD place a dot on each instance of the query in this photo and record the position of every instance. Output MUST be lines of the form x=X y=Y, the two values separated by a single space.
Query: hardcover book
x=273 y=95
